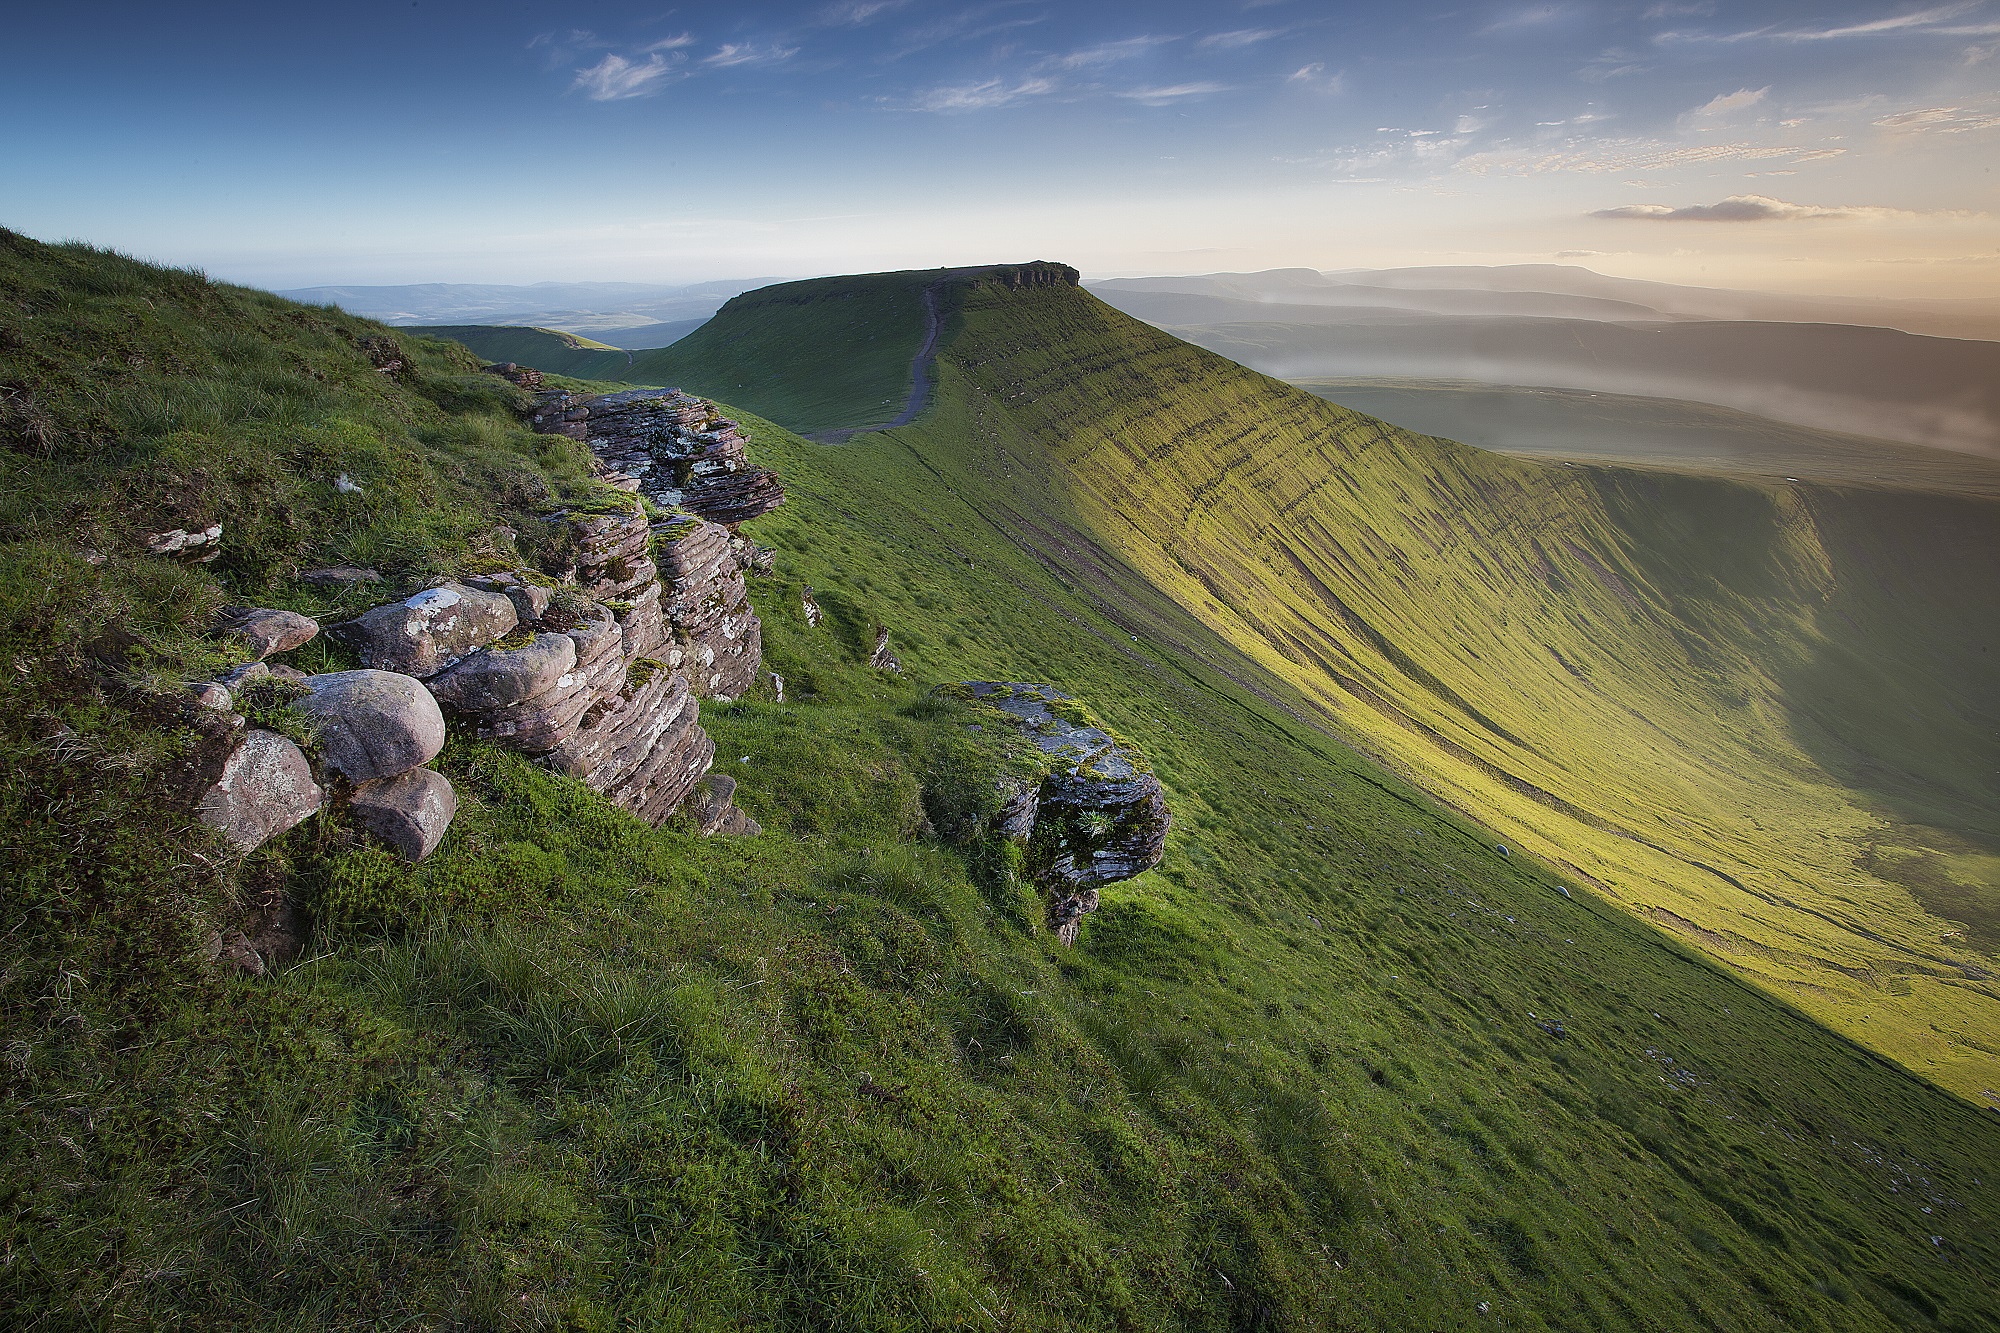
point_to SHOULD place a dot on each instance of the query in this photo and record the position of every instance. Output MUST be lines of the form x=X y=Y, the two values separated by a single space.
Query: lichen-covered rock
x=645 y=750
x=265 y=630
x=373 y=724
x=410 y=811
x=422 y=635
x=266 y=787
x=1097 y=816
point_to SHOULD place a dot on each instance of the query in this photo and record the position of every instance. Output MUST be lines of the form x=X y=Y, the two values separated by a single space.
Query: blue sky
x=1844 y=146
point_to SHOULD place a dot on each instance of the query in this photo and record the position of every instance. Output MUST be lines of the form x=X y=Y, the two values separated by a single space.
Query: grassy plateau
x=1340 y=1062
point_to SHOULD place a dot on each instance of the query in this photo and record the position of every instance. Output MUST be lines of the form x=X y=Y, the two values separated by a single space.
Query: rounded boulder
x=373 y=724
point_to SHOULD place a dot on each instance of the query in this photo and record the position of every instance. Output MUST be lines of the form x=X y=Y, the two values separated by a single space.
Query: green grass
x=575 y=1072
x=837 y=357
x=1758 y=715
x=552 y=350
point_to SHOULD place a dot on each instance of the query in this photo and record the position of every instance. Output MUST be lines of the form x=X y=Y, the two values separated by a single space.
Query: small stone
x=340 y=574
x=810 y=605
x=410 y=811
x=709 y=804
x=234 y=681
x=209 y=694
x=530 y=602
x=265 y=630
x=375 y=724
x=266 y=787
x=201 y=545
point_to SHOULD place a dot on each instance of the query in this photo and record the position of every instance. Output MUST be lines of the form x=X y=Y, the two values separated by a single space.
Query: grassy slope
x=545 y=349
x=583 y=1073
x=859 y=334
x=1727 y=704
x=1656 y=432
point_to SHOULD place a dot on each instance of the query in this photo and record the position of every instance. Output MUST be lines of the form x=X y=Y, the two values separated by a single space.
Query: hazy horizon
x=1746 y=147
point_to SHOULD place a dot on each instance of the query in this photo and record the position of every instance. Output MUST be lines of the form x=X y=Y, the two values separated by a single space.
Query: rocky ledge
x=678 y=448
x=1091 y=814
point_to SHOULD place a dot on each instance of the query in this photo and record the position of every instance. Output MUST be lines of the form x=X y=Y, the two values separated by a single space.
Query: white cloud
x=1230 y=41
x=1927 y=20
x=731 y=54
x=668 y=44
x=1315 y=76
x=1723 y=104
x=1751 y=208
x=982 y=96
x=1627 y=157
x=1175 y=93
x=614 y=78
x=1105 y=53
x=856 y=12
x=1938 y=120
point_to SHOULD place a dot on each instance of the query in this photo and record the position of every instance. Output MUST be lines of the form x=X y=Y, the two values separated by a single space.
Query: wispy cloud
x=1628 y=157
x=732 y=54
x=1938 y=120
x=1725 y=104
x=1315 y=76
x=1104 y=53
x=854 y=13
x=982 y=96
x=1941 y=20
x=614 y=78
x=1967 y=19
x=1242 y=37
x=1178 y=92
x=1750 y=208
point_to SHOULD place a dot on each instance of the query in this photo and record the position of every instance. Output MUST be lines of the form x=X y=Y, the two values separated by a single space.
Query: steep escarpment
x=574 y=1068
x=1634 y=674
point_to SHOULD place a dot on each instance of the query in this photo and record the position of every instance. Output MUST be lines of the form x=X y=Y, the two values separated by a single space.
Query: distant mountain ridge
x=603 y=310
x=1780 y=357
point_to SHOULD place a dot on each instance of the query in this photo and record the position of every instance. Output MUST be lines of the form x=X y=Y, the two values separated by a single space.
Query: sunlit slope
x=824 y=354
x=1707 y=696
x=1761 y=716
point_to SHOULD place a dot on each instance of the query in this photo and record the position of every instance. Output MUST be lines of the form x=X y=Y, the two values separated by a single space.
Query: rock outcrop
x=1096 y=814
x=682 y=452
x=645 y=749
x=717 y=638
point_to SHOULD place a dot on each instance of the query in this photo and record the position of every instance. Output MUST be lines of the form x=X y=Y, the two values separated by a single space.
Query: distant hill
x=608 y=310
x=1569 y=291
x=1917 y=389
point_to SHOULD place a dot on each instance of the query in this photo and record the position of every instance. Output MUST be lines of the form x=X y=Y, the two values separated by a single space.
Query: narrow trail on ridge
x=920 y=368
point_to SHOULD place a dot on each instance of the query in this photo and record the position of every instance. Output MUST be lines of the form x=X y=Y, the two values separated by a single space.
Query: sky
x=1837 y=147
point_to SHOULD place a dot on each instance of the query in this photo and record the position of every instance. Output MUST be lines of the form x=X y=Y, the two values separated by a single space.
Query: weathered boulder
x=373 y=724
x=1097 y=816
x=266 y=787
x=265 y=630
x=645 y=750
x=422 y=635
x=497 y=676
x=410 y=811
